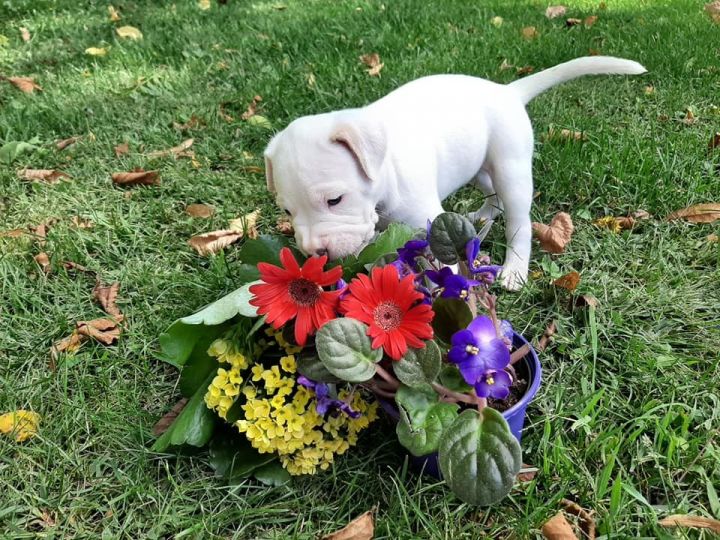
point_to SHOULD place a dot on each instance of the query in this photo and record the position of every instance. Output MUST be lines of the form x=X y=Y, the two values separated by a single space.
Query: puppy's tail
x=531 y=86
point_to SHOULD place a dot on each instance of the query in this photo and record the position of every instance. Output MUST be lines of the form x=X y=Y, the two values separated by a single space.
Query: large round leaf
x=233 y=457
x=419 y=366
x=423 y=418
x=312 y=367
x=235 y=303
x=344 y=349
x=451 y=315
x=479 y=457
x=449 y=234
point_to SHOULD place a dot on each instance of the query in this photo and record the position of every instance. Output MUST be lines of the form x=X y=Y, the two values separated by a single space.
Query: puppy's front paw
x=513 y=278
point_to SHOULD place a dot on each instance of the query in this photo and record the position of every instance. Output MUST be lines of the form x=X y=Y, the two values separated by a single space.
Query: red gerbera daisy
x=390 y=307
x=294 y=292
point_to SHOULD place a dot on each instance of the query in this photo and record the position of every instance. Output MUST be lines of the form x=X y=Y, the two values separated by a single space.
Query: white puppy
x=340 y=173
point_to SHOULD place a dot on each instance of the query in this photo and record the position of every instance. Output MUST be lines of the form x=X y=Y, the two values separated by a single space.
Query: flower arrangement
x=282 y=375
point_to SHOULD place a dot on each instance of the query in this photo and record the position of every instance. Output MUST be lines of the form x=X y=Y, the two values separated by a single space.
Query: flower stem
x=394 y=383
x=519 y=354
x=457 y=396
x=379 y=392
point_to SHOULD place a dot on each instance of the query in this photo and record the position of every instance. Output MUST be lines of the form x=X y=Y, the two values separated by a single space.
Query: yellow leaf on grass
x=713 y=10
x=694 y=522
x=259 y=121
x=698 y=213
x=129 y=32
x=25 y=34
x=96 y=51
x=555 y=236
x=530 y=32
x=245 y=225
x=615 y=224
x=178 y=151
x=114 y=14
x=496 y=21
x=553 y=12
x=20 y=424
x=204 y=4
x=360 y=528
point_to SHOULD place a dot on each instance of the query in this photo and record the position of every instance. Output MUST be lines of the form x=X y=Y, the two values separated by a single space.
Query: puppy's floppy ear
x=268 y=166
x=366 y=140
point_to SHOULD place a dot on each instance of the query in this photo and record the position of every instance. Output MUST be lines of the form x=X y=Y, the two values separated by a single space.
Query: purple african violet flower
x=478 y=349
x=494 y=384
x=411 y=250
x=506 y=330
x=324 y=402
x=480 y=266
x=452 y=285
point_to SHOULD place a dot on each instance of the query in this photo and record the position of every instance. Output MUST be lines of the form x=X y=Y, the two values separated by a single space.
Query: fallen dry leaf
x=40 y=233
x=70 y=265
x=254 y=169
x=505 y=65
x=245 y=225
x=572 y=22
x=63 y=144
x=714 y=141
x=20 y=424
x=566 y=135
x=527 y=473
x=13 y=233
x=615 y=224
x=529 y=32
x=47 y=520
x=106 y=331
x=712 y=238
x=163 y=424
x=698 y=213
x=212 y=242
x=204 y=4
x=284 y=226
x=69 y=345
x=225 y=116
x=641 y=214
x=558 y=528
x=24 y=84
x=81 y=222
x=24 y=34
x=134 y=178
x=689 y=119
x=199 y=210
x=44 y=261
x=96 y=51
x=193 y=123
x=129 y=32
x=372 y=61
x=587 y=522
x=106 y=295
x=525 y=70
x=252 y=108
x=649 y=90
x=568 y=281
x=360 y=528
x=114 y=14
x=496 y=21
x=713 y=10
x=546 y=338
x=121 y=149
x=553 y=12
x=585 y=300
x=589 y=21
x=178 y=151
x=49 y=176
x=554 y=237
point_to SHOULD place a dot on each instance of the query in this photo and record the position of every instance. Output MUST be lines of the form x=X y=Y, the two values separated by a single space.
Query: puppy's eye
x=335 y=201
x=287 y=211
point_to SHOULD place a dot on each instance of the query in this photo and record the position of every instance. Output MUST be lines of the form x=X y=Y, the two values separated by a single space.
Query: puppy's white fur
x=399 y=157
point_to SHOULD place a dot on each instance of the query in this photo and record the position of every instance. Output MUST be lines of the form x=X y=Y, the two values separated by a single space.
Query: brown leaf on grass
x=587 y=522
x=589 y=21
x=121 y=149
x=372 y=61
x=714 y=141
x=162 y=425
x=212 y=242
x=129 y=32
x=558 y=528
x=553 y=12
x=24 y=34
x=554 y=237
x=138 y=177
x=13 y=233
x=713 y=10
x=24 y=84
x=284 y=226
x=529 y=32
x=181 y=150
x=585 y=300
x=44 y=261
x=69 y=345
x=199 y=210
x=505 y=65
x=689 y=119
x=253 y=169
x=193 y=123
x=525 y=70
x=70 y=266
x=360 y=528
x=566 y=135
x=106 y=331
x=694 y=522
x=81 y=222
x=252 y=108
x=712 y=238
x=615 y=224
x=106 y=295
x=568 y=281
x=527 y=473
x=546 y=338
x=49 y=176
x=40 y=233
x=698 y=213
x=225 y=116
x=47 y=519
x=114 y=14
x=572 y=22
x=63 y=144
x=641 y=214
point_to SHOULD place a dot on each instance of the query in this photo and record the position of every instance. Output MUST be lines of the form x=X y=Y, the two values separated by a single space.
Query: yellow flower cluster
x=280 y=415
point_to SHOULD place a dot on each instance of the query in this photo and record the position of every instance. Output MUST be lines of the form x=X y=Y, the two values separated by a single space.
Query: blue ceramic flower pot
x=515 y=415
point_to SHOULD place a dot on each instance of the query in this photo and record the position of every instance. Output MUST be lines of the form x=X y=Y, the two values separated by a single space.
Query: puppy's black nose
x=321 y=252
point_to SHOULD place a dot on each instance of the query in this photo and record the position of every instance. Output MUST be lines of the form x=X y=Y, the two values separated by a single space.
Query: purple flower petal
x=472 y=248
x=483 y=328
x=494 y=384
x=507 y=330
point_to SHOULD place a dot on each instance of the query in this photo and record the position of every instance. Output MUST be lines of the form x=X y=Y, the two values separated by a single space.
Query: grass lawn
x=627 y=420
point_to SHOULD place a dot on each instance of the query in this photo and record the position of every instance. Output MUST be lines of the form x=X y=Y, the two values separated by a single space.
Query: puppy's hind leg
x=492 y=207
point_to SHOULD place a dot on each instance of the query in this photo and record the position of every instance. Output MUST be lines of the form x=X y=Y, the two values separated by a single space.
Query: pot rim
x=535 y=374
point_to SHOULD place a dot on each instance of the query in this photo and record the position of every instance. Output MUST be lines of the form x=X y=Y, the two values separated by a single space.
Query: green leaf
x=264 y=248
x=198 y=367
x=451 y=378
x=232 y=456
x=479 y=457
x=178 y=341
x=423 y=419
x=419 y=366
x=10 y=151
x=451 y=315
x=194 y=425
x=224 y=309
x=386 y=242
x=312 y=367
x=272 y=474
x=345 y=351
x=449 y=234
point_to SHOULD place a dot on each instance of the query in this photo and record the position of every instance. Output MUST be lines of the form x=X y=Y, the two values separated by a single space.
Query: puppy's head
x=325 y=171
